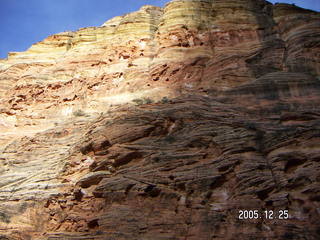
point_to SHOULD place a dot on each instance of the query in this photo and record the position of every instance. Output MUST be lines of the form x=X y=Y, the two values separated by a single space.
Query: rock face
x=165 y=123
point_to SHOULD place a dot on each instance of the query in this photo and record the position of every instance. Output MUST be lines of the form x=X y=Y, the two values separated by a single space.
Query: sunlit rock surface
x=163 y=124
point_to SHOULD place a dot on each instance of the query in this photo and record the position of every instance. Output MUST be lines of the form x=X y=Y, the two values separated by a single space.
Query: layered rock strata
x=225 y=118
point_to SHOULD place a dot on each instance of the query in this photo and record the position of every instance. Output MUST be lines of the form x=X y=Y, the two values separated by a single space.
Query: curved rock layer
x=164 y=124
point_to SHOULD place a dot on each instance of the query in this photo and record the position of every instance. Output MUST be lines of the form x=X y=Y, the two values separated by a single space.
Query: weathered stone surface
x=225 y=118
x=92 y=178
x=207 y=158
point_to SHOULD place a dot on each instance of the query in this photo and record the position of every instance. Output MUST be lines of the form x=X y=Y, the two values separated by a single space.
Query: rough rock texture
x=225 y=118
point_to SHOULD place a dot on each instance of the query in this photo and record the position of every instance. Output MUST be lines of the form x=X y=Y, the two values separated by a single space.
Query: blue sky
x=24 y=22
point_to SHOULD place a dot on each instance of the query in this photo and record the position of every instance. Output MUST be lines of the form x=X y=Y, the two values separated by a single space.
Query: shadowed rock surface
x=225 y=117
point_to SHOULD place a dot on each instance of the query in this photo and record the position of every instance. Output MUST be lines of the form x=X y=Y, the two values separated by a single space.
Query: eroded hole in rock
x=185 y=44
x=105 y=144
x=315 y=197
x=292 y=164
x=78 y=194
x=152 y=191
x=86 y=149
x=269 y=203
x=181 y=186
x=208 y=195
x=190 y=192
x=149 y=188
x=93 y=223
x=263 y=194
x=98 y=194
x=224 y=168
x=218 y=182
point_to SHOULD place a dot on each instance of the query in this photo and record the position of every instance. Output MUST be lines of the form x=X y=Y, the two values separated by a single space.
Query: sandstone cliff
x=163 y=124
